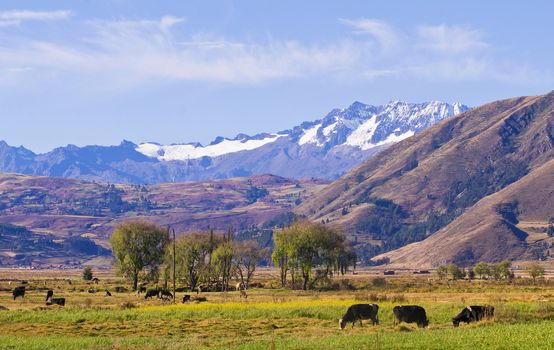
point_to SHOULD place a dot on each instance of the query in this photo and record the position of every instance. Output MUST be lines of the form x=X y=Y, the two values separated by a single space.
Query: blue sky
x=97 y=72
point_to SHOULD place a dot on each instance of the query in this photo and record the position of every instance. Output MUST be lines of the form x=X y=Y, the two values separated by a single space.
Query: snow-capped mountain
x=325 y=148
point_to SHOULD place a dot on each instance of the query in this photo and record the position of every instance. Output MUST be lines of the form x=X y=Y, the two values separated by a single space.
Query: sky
x=98 y=72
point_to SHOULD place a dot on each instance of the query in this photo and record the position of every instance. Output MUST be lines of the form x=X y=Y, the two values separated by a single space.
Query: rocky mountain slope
x=467 y=188
x=324 y=148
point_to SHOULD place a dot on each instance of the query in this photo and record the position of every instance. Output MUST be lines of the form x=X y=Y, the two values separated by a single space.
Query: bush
x=87 y=273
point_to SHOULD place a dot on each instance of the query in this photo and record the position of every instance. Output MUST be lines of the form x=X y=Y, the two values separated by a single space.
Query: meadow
x=273 y=318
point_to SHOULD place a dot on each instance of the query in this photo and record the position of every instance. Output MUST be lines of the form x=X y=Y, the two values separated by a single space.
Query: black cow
x=186 y=298
x=49 y=294
x=56 y=301
x=108 y=294
x=410 y=314
x=18 y=292
x=359 y=312
x=473 y=313
x=152 y=293
x=164 y=293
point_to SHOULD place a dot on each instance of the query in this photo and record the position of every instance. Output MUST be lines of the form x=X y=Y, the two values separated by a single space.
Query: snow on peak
x=360 y=125
x=189 y=151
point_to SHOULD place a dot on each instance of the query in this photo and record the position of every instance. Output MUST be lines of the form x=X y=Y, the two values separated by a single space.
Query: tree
x=503 y=269
x=192 y=253
x=455 y=272
x=535 y=271
x=280 y=257
x=305 y=246
x=87 y=273
x=139 y=247
x=482 y=269
x=441 y=272
x=246 y=257
x=222 y=263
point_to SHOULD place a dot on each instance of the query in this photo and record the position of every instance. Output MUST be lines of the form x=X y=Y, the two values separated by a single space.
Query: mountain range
x=325 y=148
x=475 y=187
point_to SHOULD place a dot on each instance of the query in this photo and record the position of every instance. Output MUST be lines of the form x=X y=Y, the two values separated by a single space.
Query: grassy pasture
x=288 y=319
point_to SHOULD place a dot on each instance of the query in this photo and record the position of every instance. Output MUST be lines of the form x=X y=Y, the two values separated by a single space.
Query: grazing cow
x=108 y=294
x=49 y=294
x=359 y=312
x=18 y=292
x=186 y=298
x=165 y=294
x=91 y=290
x=473 y=313
x=141 y=289
x=243 y=294
x=95 y=280
x=56 y=301
x=410 y=314
x=152 y=293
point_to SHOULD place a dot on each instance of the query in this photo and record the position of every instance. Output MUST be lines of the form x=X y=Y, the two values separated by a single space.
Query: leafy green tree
x=87 y=273
x=222 y=262
x=304 y=247
x=535 y=271
x=504 y=269
x=455 y=272
x=482 y=269
x=192 y=253
x=139 y=247
x=281 y=241
x=441 y=272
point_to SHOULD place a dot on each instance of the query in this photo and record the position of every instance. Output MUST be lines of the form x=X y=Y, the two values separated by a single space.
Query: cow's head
x=342 y=324
x=455 y=322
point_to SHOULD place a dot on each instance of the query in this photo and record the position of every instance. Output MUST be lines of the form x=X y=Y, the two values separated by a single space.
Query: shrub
x=87 y=273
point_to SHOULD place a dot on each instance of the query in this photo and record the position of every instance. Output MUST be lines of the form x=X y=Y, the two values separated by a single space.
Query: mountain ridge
x=417 y=188
x=323 y=148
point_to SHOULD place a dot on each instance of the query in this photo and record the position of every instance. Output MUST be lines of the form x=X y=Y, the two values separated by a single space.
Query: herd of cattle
x=412 y=314
x=357 y=312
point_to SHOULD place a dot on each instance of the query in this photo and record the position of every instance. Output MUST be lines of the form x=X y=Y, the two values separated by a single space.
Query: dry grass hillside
x=57 y=208
x=441 y=175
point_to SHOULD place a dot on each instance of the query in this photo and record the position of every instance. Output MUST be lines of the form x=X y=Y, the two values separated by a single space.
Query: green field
x=276 y=318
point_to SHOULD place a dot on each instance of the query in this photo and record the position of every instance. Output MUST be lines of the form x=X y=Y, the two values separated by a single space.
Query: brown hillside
x=488 y=231
x=446 y=169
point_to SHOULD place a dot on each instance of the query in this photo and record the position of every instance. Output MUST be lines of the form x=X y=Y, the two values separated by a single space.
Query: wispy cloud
x=134 y=51
x=15 y=17
x=381 y=30
x=128 y=53
x=450 y=39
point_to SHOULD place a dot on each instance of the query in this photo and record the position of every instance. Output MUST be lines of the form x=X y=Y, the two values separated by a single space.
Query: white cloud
x=135 y=51
x=381 y=30
x=125 y=54
x=15 y=17
x=450 y=39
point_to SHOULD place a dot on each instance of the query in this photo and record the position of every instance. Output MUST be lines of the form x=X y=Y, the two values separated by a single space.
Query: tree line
x=483 y=270
x=305 y=253
x=143 y=252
